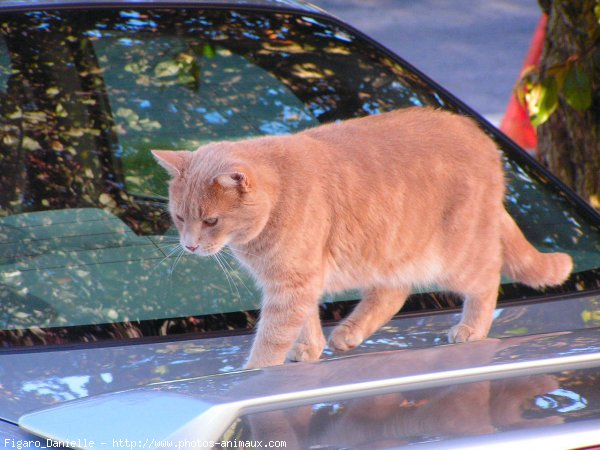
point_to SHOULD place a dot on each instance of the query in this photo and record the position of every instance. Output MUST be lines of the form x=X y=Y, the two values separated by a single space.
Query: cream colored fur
x=382 y=203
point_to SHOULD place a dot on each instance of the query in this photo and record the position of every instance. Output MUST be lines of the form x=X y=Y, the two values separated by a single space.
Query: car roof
x=299 y=5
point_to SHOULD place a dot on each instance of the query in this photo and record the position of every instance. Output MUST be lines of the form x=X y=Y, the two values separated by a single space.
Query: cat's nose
x=191 y=248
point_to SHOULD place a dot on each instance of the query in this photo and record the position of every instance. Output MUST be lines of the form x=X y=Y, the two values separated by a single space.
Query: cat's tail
x=523 y=263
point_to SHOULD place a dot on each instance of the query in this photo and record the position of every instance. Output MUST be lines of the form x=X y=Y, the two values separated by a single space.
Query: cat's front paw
x=263 y=360
x=463 y=333
x=261 y=364
x=302 y=351
x=344 y=338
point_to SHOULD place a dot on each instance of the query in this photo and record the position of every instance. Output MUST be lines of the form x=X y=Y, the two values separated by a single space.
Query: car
x=111 y=336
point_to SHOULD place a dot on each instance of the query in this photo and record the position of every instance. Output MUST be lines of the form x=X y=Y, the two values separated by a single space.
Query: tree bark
x=569 y=142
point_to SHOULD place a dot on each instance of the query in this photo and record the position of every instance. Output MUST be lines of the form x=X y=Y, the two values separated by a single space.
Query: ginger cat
x=382 y=203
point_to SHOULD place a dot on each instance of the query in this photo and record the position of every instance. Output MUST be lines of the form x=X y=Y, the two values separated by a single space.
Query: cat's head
x=213 y=202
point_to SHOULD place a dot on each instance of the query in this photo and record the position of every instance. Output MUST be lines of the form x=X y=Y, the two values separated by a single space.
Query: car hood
x=38 y=378
x=202 y=409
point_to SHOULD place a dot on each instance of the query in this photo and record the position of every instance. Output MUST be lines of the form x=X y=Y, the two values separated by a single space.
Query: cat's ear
x=173 y=161
x=240 y=179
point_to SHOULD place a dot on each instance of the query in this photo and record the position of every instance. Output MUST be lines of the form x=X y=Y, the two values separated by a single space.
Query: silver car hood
x=39 y=378
x=201 y=409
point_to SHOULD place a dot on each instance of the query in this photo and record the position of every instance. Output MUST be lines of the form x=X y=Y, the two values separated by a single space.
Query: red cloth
x=516 y=122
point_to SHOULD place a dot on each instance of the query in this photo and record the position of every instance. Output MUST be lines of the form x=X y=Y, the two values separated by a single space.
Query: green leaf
x=578 y=88
x=208 y=51
x=544 y=101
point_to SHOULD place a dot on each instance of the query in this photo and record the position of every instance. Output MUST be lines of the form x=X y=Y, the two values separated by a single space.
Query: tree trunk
x=569 y=142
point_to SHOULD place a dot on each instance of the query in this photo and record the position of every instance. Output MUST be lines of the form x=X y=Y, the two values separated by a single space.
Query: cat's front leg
x=311 y=342
x=284 y=311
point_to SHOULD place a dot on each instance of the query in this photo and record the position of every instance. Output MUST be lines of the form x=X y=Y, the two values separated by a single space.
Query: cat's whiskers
x=233 y=271
x=170 y=253
x=169 y=248
x=177 y=259
x=230 y=281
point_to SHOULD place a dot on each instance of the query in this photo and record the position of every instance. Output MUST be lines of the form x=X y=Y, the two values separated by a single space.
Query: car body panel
x=36 y=379
x=203 y=408
x=15 y=437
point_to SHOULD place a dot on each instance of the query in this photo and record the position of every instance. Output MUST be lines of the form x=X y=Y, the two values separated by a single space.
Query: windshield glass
x=87 y=249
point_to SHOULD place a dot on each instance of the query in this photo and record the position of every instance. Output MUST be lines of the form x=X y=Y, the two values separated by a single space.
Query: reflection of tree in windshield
x=86 y=100
x=103 y=91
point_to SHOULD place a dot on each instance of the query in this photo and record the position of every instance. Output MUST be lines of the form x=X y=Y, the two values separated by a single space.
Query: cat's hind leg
x=311 y=342
x=378 y=306
x=477 y=313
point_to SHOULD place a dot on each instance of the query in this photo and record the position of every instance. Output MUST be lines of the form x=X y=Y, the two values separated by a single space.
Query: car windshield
x=87 y=249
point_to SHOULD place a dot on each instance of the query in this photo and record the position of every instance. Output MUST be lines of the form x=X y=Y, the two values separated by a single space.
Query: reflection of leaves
x=127 y=114
x=17 y=114
x=79 y=132
x=182 y=70
x=166 y=69
x=287 y=48
x=133 y=120
x=137 y=67
x=35 y=117
x=30 y=144
x=107 y=200
x=61 y=111
x=311 y=70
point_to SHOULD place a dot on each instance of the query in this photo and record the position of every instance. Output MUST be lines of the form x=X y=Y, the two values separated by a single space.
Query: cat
x=383 y=203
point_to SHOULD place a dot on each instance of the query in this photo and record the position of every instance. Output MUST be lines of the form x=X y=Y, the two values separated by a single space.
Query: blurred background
x=475 y=49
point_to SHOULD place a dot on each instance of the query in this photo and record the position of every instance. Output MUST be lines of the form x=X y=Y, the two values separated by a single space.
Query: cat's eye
x=211 y=221
x=178 y=217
